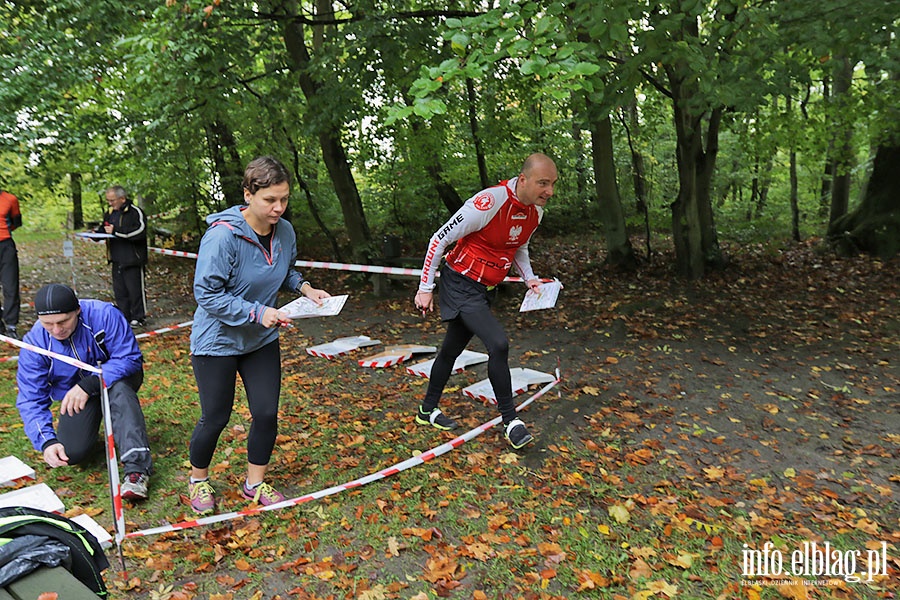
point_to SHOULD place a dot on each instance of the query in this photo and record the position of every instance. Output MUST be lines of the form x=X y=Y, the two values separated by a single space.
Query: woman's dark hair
x=264 y=172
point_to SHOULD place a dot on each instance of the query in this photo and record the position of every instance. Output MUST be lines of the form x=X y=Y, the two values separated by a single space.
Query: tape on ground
x=392 y=470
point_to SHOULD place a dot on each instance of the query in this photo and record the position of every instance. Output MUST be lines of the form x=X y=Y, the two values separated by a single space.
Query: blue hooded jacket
x=236 y=278
x=102 y=337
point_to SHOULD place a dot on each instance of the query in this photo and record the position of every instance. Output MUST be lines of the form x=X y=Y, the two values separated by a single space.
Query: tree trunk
x=795 y=200
x=792 y=160
x=226 y=161
x=765 y=175
x=754 y=188
x=693 y=226
x=828 y=169
x=329 y=137
x=874 y=226
x=476 y=135
x=639 y=178
x=638 y=175
x=77 y=206
x=313 y=209
x=843 y=134
x=618 y=246
x=712 y=253
x=582 y=183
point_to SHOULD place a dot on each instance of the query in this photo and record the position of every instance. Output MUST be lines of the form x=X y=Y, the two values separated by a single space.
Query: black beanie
x=54 y=299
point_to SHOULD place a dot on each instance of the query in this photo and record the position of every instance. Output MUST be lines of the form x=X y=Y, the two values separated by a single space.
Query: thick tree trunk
x=329 y=136
x=874 y=226
x=712 y=253
x=77 y=205
x=693 y=225
x=618 y=246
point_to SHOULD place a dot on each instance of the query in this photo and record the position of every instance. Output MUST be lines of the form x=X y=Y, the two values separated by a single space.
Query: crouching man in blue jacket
x=95 y=333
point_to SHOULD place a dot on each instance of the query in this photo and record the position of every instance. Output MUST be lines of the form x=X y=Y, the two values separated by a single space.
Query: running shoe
x=203 y=497
x=135 y=486
x=436 y=419
x=516 y=434
x=263 y=494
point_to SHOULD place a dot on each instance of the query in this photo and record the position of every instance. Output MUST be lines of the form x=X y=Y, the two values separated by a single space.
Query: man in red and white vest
x=491 y=231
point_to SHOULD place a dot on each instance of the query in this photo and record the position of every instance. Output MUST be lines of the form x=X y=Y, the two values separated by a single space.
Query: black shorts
x=459 y=294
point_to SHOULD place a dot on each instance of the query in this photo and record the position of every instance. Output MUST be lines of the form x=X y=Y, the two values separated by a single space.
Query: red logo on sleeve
x=483 y=201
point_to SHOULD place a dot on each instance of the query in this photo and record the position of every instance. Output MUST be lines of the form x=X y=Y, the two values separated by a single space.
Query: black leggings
x=484 y=324
x=216 y=377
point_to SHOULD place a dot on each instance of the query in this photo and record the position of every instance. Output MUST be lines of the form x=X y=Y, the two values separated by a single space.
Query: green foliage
x=127 y=93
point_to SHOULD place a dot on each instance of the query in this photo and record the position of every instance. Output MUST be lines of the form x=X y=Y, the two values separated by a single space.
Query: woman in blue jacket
x=246 y=256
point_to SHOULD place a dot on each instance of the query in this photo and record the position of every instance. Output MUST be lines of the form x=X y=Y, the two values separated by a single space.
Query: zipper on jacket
x=267 y=255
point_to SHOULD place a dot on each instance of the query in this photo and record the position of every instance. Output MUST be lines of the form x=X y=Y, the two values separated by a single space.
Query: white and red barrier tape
x=116 y=492
x=315 y=264
x=66 y=359
x=112 y=467
x=392 y=470
x=147 y=334
x=174 y=252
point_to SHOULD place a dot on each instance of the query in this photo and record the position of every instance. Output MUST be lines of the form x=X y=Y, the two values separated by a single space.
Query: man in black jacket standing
x=127 y=251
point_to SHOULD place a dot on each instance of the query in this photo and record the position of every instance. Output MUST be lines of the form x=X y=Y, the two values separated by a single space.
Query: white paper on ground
x=521 y=379
x=13 y=470
x=341 y=346
x=545 y=297
x=466 y=359
x=304 y=308
x=393 y=355
x=95 y=529
x=38 y=496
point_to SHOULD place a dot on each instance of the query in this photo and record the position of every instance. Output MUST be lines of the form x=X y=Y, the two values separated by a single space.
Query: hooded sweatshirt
x=235 y=280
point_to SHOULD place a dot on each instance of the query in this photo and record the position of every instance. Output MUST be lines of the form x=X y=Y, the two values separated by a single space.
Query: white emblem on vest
x=514 y=232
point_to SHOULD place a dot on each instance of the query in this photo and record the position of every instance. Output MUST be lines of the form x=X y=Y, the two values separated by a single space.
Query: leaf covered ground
x=698 y=427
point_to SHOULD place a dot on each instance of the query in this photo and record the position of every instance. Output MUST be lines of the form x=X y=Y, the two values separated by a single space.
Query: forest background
x=719 y=161
x=679 y=122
